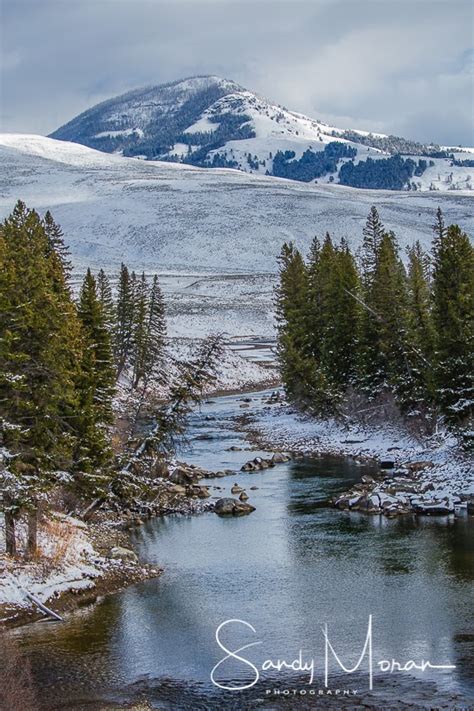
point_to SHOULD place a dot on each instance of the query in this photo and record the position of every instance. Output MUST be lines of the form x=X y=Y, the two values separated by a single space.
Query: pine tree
x=97 y=380
x=420 y=324
x=301 y=373
x=453 y=316
x=343 y=336
x=40 y=346
x=155 y=336
x=140 y=335
x=104 y=293
x=384 y=333
x=373 y=233
x=56 y=243
x=439 y=228
x=123 y=336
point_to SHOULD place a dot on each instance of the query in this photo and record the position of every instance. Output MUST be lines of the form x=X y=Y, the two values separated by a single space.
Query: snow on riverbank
x=68 y=561
x=235 y=373
x=425 y=475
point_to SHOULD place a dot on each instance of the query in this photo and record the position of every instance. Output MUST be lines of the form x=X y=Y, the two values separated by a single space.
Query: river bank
x=293 y=564
x=429 y=476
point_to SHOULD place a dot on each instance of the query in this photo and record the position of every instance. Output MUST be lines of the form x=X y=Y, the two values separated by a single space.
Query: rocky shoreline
x=404 y=483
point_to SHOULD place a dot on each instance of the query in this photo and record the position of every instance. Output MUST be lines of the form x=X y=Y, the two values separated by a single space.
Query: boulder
x=236 y=489
x=234 y=448
x=232 y=507
x=181 y=476
x=177 y=489
x=434 y=508
x=280 y=457
x=201 y=492
x=119 y=553
x=243 y=496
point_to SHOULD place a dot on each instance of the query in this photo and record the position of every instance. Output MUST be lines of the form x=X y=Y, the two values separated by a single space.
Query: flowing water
x=287 y=569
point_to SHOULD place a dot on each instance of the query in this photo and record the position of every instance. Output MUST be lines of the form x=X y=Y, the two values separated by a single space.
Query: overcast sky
x=396 y=66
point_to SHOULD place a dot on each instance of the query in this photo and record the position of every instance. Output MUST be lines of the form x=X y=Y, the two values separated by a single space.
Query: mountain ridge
x=210 y=121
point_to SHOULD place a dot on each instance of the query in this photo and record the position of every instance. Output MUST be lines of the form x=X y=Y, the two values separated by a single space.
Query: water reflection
x=288 y=568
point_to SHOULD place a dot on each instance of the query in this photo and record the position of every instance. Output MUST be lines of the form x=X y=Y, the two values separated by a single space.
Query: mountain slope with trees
x=212 y=122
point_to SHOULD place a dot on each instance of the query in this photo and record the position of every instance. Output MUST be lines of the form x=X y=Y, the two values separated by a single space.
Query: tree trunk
x=32 y=543
x=10 y=540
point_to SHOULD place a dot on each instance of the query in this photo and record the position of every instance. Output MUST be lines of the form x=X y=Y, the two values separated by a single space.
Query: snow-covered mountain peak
x=208 y=121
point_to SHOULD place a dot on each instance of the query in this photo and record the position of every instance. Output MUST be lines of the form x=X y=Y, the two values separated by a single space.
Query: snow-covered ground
x=213 y=235
x=68 y=561
x=447 y=478
x=169 y=216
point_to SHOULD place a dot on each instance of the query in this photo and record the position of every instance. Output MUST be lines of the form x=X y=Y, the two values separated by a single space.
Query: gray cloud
x=397 y=66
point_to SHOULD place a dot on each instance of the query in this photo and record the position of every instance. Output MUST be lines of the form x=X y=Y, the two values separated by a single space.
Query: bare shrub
x=60 y=537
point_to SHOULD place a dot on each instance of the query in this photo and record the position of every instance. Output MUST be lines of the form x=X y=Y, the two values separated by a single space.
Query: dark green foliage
x=123 y=336
x=381 y=333
x=393 y=144
x=97 y=380
x=302 y=375
x=312 y=164
x=40 y=352
x=453 y=316
x=384 y=173
x=104 y=294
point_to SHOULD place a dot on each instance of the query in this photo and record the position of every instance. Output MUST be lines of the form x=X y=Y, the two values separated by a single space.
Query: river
x=287 y=569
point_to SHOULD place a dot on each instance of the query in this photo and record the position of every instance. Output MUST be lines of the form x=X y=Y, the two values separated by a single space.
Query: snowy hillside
x=172 y=216
x=213 y=122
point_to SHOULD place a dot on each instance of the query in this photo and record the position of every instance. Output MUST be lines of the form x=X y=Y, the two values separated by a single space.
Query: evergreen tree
x=97 y=379
x=420 y=324
x=439 y=228
x=384 y=334
x=56 y=243
x=123 y=337
x=40 y=347
x=453 y=315
x=140 y=330
x=373 y=233
x=104 y=293
x=155 y=336
x=301 y=373
x=342 y=338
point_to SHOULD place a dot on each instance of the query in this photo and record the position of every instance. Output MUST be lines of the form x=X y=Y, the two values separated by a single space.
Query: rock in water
x=236 y=489
x=232 y=507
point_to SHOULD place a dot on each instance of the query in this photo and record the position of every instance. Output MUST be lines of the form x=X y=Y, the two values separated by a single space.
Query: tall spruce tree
x=140 y=330
x=97 y=380
x=343 y=337
x=40 y=347
x=123 y=336
x=385 y=364
x=302 y=375
x=420 y=325
x=57 y=246
x=453 y=316
x=155 y=336
x=373 y=233
x=104 y=293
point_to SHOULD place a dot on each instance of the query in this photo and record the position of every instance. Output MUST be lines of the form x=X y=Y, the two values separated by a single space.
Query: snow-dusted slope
x=214 y=122
x=171 y=216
